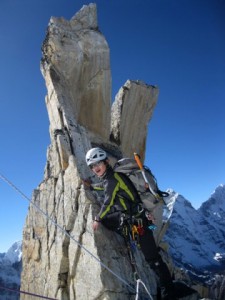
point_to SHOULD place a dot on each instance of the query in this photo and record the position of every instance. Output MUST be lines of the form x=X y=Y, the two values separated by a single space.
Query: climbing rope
x=137 y=289
x=66 y=233
x=26 y=293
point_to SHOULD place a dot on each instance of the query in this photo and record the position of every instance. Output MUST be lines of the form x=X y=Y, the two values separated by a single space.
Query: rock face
x=62 y=257
x=130 y=116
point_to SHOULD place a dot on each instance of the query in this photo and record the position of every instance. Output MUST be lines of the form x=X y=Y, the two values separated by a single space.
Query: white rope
x=137 y=289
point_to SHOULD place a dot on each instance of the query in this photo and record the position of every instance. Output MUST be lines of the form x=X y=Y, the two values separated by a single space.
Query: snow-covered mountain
x=10 y=270
x=197 y=237
x=13 y=255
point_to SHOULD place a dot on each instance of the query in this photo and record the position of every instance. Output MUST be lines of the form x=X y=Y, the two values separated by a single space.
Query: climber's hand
x=95 y=225
x=87 y=183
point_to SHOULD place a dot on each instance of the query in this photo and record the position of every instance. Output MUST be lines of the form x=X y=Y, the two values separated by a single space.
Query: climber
x=121 y=198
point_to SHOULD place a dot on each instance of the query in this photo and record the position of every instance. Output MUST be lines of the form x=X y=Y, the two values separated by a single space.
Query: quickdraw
x=135 y=233
x=140 y=227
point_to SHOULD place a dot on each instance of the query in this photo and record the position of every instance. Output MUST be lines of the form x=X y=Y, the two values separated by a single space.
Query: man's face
x=99 y=168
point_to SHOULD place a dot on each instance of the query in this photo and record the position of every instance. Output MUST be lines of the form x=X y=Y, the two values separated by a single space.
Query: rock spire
x=62 y=257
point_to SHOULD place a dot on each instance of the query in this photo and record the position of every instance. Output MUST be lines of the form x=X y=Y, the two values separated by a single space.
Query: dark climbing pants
x=148 y=245
x=153 y=257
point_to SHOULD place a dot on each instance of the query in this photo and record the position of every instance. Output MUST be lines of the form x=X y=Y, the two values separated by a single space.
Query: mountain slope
x=196 y=237
x=10 y=270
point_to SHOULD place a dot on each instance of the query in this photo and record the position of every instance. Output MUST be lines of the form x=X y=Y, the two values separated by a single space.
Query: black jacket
x=120 y=194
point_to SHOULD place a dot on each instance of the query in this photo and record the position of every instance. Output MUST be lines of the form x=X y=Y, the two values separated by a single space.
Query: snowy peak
x=215 y=206
x=196 y=237
x=13 y=255
x=10 y=270
x=184 y=213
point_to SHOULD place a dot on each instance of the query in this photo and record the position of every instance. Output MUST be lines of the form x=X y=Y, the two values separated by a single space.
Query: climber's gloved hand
x=87 y=183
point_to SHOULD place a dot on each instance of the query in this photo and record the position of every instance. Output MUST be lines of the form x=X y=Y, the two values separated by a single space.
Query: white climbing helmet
x=95 y=155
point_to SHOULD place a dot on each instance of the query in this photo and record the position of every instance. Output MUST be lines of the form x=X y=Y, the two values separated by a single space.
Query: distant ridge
x=196 y=237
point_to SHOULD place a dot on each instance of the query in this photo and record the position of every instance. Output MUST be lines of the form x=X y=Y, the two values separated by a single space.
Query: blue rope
x=26 y=293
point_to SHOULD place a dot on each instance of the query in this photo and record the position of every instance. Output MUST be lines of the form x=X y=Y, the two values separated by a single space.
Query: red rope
x=26 y=293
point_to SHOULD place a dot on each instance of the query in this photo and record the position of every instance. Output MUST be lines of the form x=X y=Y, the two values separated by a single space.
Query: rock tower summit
x=76 y=69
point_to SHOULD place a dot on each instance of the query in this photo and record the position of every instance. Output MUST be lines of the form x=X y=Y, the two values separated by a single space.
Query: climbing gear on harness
x=130 y=232
x=134 y=232
x=140 y=227
x=130 y=245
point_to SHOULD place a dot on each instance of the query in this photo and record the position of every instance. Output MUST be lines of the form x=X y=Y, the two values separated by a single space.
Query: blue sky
x=178 y=45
